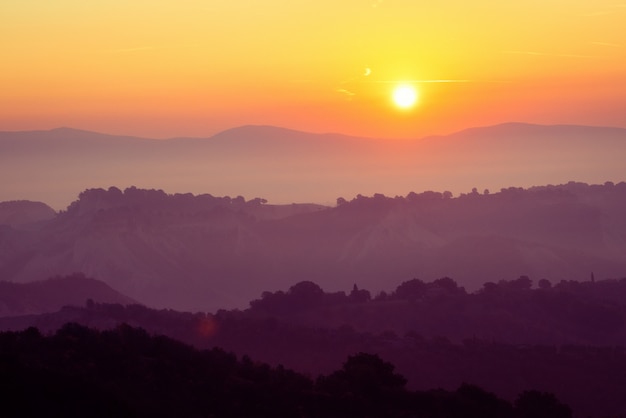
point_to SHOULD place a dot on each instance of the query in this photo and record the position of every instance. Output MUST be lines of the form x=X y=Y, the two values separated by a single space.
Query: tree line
x=126 y=372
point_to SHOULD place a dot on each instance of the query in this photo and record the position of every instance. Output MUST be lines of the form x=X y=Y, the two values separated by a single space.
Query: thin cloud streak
x=546 y=54
x=164 y=47
x=605 y=44
x=346 y=92
x=421 y=81
x=136 y=49
x=613 y=8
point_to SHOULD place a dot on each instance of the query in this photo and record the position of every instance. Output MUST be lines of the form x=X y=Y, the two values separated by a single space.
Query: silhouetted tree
x=477 y=402
x=363 y=375
x=544 y=284
x=448 y=284
x=360 y=295
x=535 y=404
x=410 y=290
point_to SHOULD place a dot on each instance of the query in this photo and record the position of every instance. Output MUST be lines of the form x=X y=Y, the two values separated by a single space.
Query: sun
x=404 y=96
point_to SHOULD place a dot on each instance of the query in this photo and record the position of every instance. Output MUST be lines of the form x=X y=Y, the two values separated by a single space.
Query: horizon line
x=253 y=125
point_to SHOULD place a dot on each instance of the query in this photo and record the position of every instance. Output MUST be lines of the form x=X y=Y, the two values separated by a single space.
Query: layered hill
x=126 y=372
x=204 y=252
x=23 y=212
x=507 y=337
x=52 y=294
x=287 y=166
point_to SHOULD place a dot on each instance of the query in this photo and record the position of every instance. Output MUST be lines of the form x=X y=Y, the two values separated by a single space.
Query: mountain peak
x=524 y=128
x=62 y=129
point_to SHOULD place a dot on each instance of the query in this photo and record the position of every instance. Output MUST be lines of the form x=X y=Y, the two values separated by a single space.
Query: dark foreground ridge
x=125 y=372
x=507 y=338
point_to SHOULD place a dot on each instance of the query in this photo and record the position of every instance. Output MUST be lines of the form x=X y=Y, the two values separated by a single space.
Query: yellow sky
x=165 y=68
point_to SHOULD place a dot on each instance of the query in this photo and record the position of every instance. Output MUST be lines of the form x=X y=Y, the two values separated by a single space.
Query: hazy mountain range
x=286 y=166
x=205 y=252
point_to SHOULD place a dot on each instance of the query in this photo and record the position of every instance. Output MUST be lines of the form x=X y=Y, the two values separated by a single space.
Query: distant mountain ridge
x=269 y=131
x=287 y=166
x=532 y=128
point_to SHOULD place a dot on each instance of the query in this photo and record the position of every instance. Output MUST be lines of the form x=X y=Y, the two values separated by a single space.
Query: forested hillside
x=125 y=372
x=205 y=253
x=507 y=338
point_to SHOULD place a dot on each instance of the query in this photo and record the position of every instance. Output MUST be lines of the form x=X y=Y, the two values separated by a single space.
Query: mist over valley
x=286 y=166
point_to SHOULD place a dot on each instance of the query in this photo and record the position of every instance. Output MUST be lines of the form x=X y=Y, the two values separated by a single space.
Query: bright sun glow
x=405 y=96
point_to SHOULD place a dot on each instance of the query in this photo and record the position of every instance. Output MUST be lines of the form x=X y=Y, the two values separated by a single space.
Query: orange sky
x=164 y=68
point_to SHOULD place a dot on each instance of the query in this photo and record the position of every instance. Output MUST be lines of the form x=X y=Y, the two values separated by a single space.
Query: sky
x=168 y=68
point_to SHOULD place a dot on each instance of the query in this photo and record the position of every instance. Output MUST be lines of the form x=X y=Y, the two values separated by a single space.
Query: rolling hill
x=52 y=294
x=205 y=252
x=21 y=212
